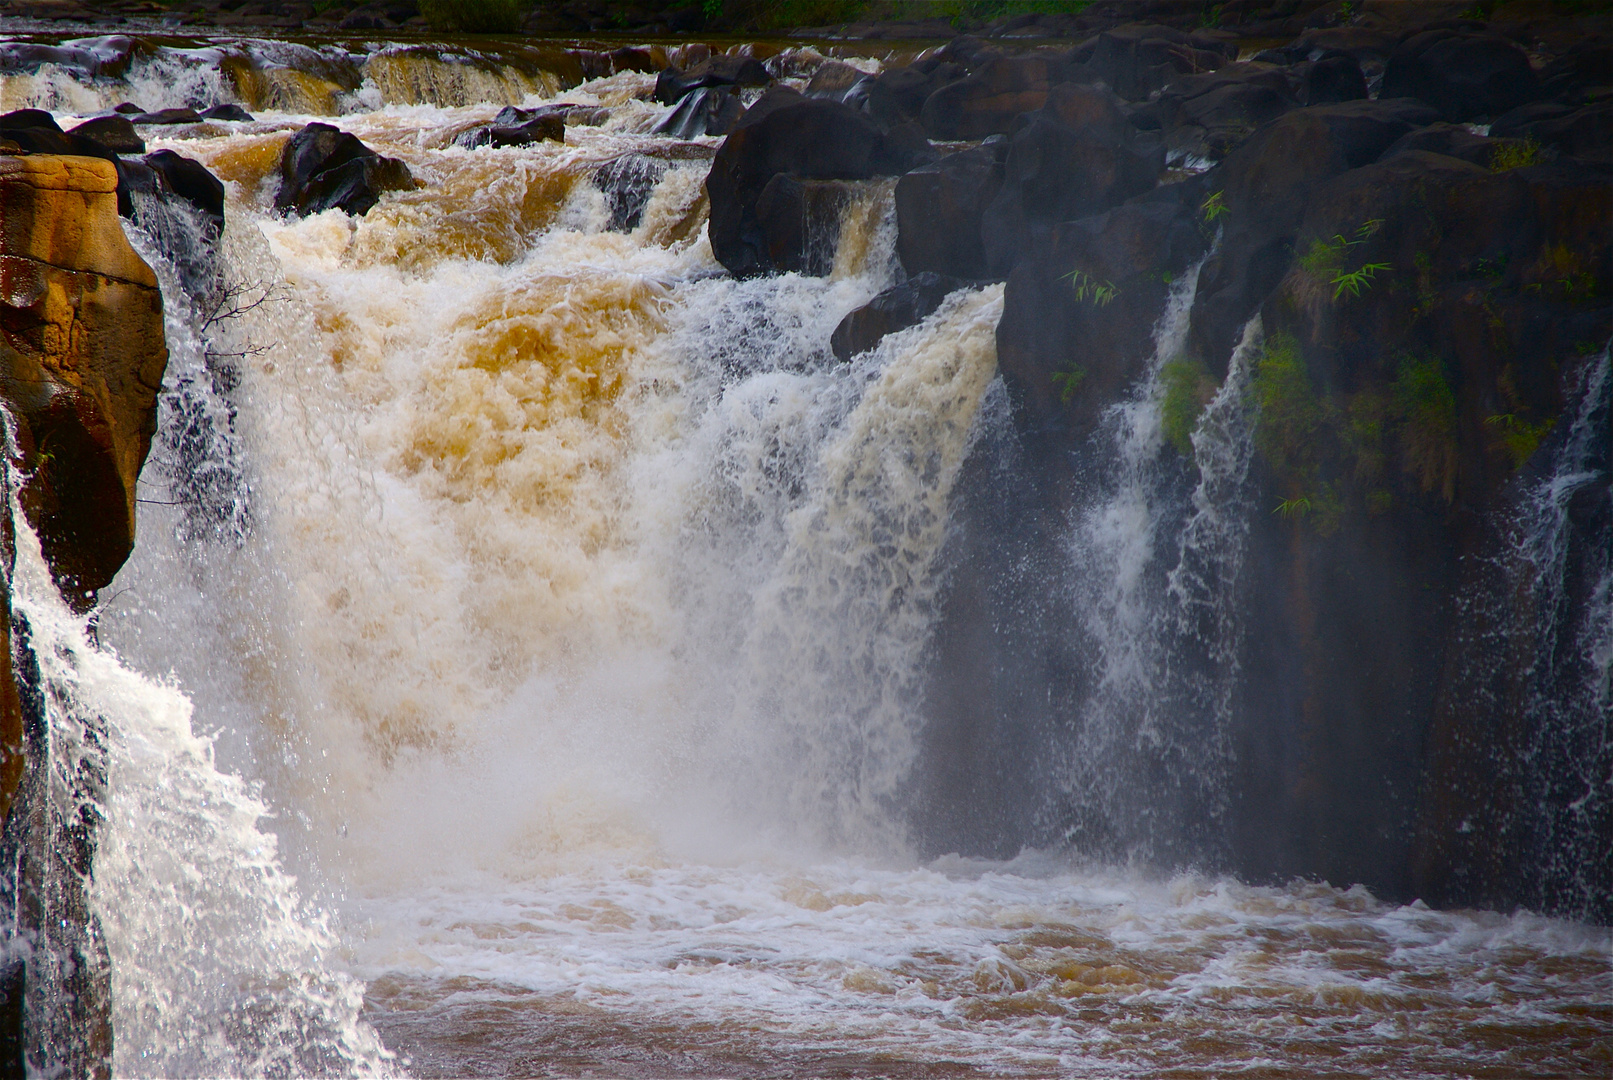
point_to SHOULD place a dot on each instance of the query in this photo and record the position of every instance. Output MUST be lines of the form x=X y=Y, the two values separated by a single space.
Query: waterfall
x=537 y=639
x=1154 y=569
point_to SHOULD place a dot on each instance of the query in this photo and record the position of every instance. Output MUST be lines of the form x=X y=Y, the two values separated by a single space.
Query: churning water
x=520 y=667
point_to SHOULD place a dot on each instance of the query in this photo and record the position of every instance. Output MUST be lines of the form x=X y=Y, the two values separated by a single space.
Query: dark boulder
x=514 y=131
x=720 y=70
x=168 y=116
x=939 y=210
x=323 y=168
x=190 y=180
x=1574 y=76
x=1261 y=192
x=897 y=308
x=1205 y=116
x=1463 y=75
x=710 y=110
x=35 y=131
x=802 y=137
x=833 y=79
x=114 y=132
x=1076 y=156
x=28 y=120
x=1333 y=79
x=989 y=100
x=1136 y=60
x=897 y=95
x=225 y=112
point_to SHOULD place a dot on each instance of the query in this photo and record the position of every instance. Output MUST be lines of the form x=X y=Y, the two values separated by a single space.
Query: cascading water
x=535 y=625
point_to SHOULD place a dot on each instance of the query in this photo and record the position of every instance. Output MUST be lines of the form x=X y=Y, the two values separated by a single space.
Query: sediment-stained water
x=550 y=631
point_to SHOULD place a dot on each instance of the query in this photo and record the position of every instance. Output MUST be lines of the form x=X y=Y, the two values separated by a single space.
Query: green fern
x=1068 y=381
x=1089 y=288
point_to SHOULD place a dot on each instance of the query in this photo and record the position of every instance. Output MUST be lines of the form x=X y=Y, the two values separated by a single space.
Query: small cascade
x=1518 y=801
x=1154 y=569
x=197 y=453
x=1561 y=563
x=431 y=75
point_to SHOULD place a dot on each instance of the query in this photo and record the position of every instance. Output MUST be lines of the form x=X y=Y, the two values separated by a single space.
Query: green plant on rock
x=474 y=16
x=1514 y=154
x=1518 y=438
x=1327 y=260
x=1213 y=208
x=1091 y=289
x=1188 y=388
x=1068 y=381
x=1425 y=411
x=1292 y=417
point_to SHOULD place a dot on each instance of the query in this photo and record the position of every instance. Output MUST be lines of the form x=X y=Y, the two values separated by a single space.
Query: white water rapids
x=540 y=665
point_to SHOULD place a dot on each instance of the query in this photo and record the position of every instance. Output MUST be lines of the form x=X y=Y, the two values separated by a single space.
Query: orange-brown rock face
x=82 y=356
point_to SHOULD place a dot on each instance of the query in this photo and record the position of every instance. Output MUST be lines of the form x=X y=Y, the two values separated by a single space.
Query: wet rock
x=81 y=361
x=1486 y=287
x=720 y=70
x=798 y=222
x=989 y=100
x=1075 y=157
x=897 y=308
x=710 y=110
x=1574 y=76
x=832 y=79
x=323 y=168
x=95 y=58
x=190 y=180
x=939 y=210
x=114 y=132
x=1463 y=75
x=632 y=58
x=627 y=183
x=786 y=133
x=516 y=127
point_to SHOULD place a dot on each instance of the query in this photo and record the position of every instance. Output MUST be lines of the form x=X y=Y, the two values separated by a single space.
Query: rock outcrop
x=82 y=356
x=802 y=140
